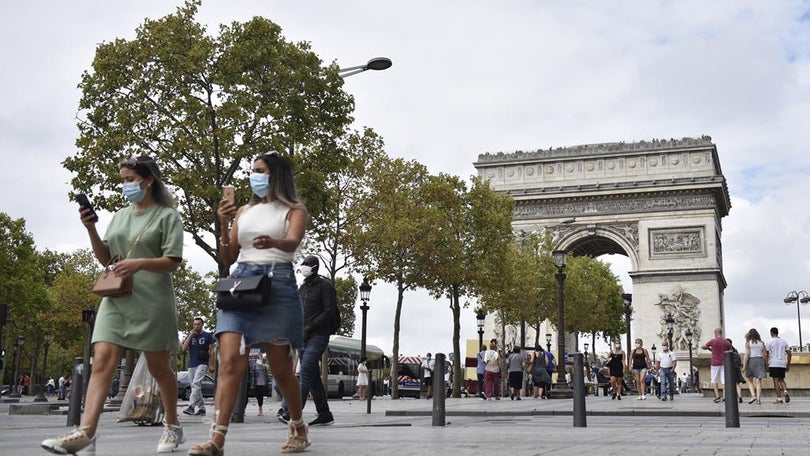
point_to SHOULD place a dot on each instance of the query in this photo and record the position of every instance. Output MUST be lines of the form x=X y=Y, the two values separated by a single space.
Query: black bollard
x=439 y=391
x=730 y=390
x=577 y=376
x=238 y=415
x=74 y=416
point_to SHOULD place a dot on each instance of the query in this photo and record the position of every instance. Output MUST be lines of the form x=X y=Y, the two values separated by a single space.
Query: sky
x=470 y=77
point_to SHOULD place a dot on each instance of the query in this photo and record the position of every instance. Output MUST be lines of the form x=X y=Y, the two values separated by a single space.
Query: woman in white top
x=754 y=363
x=362 y=380
x=492 y=372
x=262 y=239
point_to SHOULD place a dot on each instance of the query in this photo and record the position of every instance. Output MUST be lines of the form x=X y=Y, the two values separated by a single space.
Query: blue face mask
x=260 y=184
x=133 y=191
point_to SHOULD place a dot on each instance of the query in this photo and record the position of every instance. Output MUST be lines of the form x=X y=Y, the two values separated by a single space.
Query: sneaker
x=200 y=412
x=280 y=412
x=613 y=396
x=619 y=397
x=323 y=420
x=717 y=399
x=172 y=438
x=189 y=410
x=640 y=398
x=69 y=443
x=787 y=397
x=284 y=418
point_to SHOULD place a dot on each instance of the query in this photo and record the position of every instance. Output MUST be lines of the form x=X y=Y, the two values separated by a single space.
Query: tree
x=471 y=226
x=204 y=107
x=391 y=242
x=593 y=298
x=194 y=296
x=346 y=291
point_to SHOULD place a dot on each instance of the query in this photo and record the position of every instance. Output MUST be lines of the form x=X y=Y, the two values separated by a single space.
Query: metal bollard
x=578 y=379
x=74 y=416
x=238 y=415
x=730 y=390
x=439 y=391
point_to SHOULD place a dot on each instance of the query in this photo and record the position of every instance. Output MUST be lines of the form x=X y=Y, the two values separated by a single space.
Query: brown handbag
x=110 y=284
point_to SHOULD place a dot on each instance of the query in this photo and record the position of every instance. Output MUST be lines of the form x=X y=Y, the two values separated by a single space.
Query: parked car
x=184 y=387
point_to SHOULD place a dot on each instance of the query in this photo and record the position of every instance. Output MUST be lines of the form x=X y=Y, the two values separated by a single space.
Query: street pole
x=561 y=389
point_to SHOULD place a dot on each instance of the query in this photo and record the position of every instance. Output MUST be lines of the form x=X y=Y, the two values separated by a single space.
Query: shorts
x=639 y=371
x=516 y=380
x=718 y=375
x=279 y=322
x=777 y=372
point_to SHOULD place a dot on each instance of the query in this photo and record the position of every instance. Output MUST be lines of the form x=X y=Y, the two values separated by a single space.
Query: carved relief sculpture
x=685 y=309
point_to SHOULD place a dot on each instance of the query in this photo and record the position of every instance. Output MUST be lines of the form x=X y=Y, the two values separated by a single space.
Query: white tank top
x=268 y=219
x=755 y=349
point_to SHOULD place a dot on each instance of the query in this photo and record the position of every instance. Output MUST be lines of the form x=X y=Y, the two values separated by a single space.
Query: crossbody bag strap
x=143 y=230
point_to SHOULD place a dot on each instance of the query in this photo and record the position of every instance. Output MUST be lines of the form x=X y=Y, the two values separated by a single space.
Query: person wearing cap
x=148 y=235
x=200 y=347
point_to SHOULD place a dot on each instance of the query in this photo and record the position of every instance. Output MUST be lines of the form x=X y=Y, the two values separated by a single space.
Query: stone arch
x=658 y=202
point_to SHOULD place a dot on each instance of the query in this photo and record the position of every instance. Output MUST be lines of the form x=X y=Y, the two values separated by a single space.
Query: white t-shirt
x=429 y=364
x=668 y=359
x=777 y=352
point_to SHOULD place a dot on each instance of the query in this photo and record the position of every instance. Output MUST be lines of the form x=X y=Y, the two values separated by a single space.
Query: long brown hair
x=753 y=334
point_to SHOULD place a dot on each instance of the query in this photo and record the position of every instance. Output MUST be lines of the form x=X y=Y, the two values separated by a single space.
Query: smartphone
x=228 y=194
x=84 y=203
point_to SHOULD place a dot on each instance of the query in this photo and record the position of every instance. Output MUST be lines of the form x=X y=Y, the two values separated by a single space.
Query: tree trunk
x=457 y=369
x=395 y=356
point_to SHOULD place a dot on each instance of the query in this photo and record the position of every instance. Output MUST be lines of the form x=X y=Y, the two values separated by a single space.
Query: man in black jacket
x=320 y=315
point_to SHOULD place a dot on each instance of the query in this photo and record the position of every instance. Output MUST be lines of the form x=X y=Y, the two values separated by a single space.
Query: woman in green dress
x=148 y=234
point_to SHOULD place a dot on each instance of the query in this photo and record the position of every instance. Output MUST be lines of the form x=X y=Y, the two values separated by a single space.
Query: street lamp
x=377 y=64
x=797 y=297
x=670 y=322
x=480 y=317
x=562 y=390
x=652 y=349
x=16 y=386
x=42 y=380
x=548 y=342
x=689 y=335
x=365 y=292
x=627 y=299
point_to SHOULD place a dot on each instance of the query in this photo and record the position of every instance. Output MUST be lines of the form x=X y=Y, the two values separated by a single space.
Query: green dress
x=146 y=319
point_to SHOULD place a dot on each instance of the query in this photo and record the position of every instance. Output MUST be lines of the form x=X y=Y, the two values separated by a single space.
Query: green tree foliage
x=194 y=296
x=471 y=228
x=391 y=244
x=593 y=298
x=346 y=291
x=205 y=106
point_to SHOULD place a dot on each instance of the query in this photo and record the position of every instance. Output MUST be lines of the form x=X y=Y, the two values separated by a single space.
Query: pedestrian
x=540 y=375
x=736 y=361
x=50 y=386
x=666 y=365
x=777 y=362
x=148 y=235
x=514 y=366
x=262 y=240
x=754 y=362
x=696 y=377
x=428 y=365
x=492 y=372
x=616 y=365
x=62 y=388
x=320 y=321
x=200 y=347
x=362 y=380
x=551 y=367
x=258 y=377
x=718 y=346
x=480 y=368
x=640 y=359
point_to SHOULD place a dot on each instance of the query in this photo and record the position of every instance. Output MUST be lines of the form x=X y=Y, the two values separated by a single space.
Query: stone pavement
x=689 y=425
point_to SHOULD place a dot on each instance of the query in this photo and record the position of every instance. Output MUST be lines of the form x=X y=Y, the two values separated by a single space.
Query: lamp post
x=670 y=322
x=365 y=292
x=562 y=390
x=548 y=342
x=480 y=317
x=627 y=299
x=377 y=64
x=652 y=349
x=797 y=297
x=15 y=389
x=42 y=380
x=688 y=334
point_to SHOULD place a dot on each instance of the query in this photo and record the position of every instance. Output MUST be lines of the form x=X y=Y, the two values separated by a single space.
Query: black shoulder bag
x=243 y=292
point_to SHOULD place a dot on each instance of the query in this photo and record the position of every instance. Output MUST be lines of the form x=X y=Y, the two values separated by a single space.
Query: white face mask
x=617 y=345
x=638 y=345
x=306 y=271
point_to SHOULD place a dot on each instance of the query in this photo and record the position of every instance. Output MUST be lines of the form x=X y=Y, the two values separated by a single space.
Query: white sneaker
x=640 y=398
x=69 y=443
x=644 y=397
x=172 y=438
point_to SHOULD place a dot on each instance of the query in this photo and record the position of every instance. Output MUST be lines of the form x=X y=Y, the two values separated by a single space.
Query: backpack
x=550 y=366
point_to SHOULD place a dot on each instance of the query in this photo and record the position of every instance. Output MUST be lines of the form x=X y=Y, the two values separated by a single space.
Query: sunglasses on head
x=134 y=161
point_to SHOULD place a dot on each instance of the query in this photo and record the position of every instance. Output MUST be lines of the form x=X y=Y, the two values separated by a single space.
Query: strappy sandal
x=210 y=448
x=296 y=442
x=752 y=400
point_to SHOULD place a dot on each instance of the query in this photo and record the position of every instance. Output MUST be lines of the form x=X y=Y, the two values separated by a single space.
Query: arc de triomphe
x=658 y=202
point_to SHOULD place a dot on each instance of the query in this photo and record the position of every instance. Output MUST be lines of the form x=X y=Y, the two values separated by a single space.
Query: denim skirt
x=281 y=321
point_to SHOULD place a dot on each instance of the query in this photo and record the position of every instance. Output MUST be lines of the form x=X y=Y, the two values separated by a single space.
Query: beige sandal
x=296 y=443
x=210 y=448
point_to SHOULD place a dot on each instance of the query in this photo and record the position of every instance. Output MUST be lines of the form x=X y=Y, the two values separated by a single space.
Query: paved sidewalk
x=689 y=425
